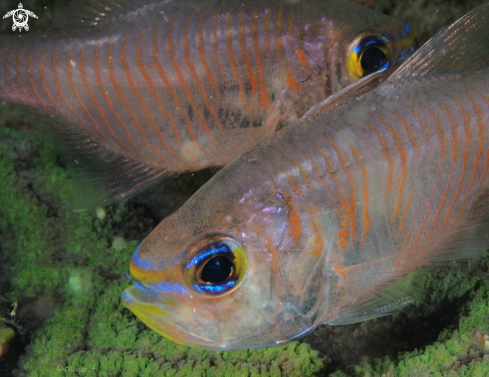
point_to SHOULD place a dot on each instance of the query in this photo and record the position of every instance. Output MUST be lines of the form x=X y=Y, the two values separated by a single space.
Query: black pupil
x=372 y=59
x=217 y=270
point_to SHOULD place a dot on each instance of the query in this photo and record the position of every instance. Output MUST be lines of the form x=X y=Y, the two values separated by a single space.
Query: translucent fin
x=389 y=300
x=459 y=49
x=93 y=12
x=380 y=298
x=101 y=175
x=346 y=95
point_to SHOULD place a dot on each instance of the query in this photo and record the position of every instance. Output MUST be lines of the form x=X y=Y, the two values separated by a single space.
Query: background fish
x=311 y=226
x=160 y=88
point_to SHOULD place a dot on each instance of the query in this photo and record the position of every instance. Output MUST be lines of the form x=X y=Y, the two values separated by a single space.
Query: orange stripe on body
x=203 y=59
x=90 y=93
x=438 y=212
x=412 y=136
x=278 y=34
x=147 y=113
x=188 y=60
x=295 y=225
x=484 y=171
x=454 y=132
x=426 y=133
x=246 y=60
x=68 y=68
x=292 y=82
x=385 y=152
x=345 y=207
x=152 y=90
x=403 y=157
x=486 y=163
x=480 y=144
x=365 y=213
x=425 y=218
x=465 y=157
x=440 y=132
x=319 y=173
x=429 y=143
x=54 y=68
x=18 y=73
x=318 y=242
x=408 y=238
x=229 y=45
x=42 y=78
x=430 y=205
x=290 y=22
x=96 y=71
x=120 y=95
x=302 y=58
x=347 y=172
x=403 y=217
x=31 y=80
x=259 y=64
x=171 y=91
x=183 y=84
x=215 y=52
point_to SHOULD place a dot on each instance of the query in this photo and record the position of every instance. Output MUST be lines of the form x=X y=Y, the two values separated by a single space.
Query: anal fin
x=102 y=176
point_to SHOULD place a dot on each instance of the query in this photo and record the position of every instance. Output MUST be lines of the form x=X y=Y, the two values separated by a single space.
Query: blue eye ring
x=217 y=267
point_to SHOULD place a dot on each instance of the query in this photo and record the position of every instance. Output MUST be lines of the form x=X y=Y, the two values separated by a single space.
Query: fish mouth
x=150 y=309
x=170 y=319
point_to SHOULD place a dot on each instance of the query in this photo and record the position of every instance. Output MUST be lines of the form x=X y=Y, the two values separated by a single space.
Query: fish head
x=360 y=42
x=214 y=275
x=338 y=42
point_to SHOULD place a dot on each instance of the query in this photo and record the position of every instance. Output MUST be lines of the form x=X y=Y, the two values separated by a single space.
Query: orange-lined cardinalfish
x=313 y=225
x=164 y=87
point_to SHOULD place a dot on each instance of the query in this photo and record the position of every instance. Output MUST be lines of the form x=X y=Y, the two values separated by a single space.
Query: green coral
x=79 y=260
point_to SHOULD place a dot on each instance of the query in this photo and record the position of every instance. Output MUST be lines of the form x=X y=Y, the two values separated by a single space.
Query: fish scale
x=324 y=220
x=179 y=87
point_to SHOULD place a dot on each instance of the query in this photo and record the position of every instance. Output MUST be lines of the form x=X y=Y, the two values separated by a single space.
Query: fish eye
x=218 y=266
x=368 y=54
x=217 y=269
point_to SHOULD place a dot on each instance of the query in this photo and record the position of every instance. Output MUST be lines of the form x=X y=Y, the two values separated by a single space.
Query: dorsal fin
x=94 y=12
x=459 y=49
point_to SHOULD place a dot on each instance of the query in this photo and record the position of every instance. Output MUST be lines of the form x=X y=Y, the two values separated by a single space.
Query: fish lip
x=164 y=318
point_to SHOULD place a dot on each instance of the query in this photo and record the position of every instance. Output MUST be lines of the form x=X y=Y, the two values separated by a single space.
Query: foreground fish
x=312 y=225
x=172 y=87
